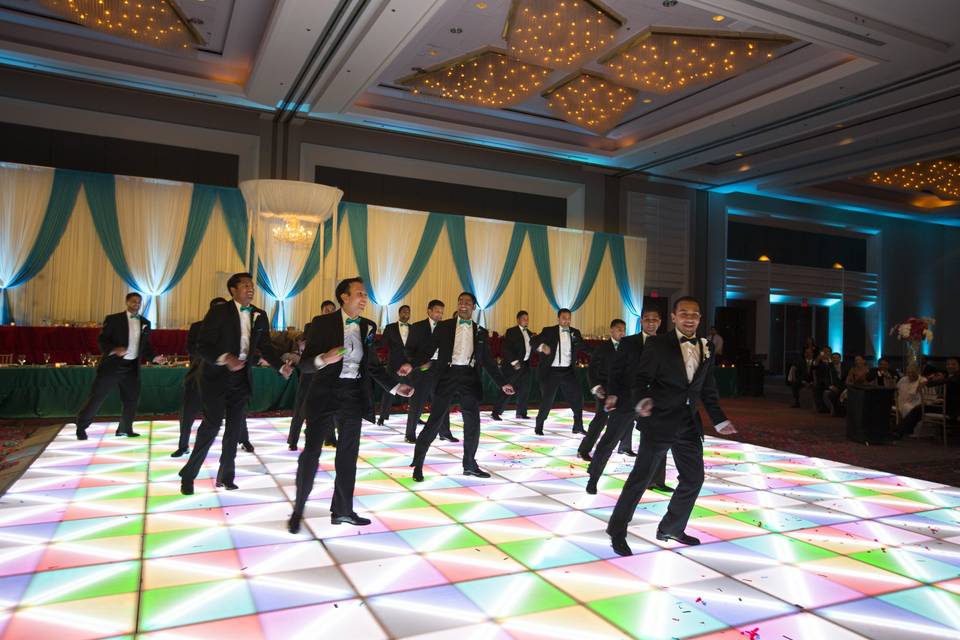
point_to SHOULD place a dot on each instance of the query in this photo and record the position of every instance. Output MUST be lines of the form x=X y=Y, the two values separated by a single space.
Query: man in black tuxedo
x=230 y=337
x=303 y=385
x=515 y=366
x=822 y=378
x=463 y=349
x=621 y=408
x=598 y=373
x=395 y=336
x=341 y=356
x=673 y=376
x=421 y=349
x=192 y=402
x=124 y=340
x=558 y=346
x=803 y=372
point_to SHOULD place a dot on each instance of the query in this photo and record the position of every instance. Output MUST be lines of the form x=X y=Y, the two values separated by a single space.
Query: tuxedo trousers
x=561 y=379
x=424 y=390
x=687 y=447
x=520 y=379
x=345 y=409
x=601 y=419
x=619 y=428
x=299 y=408
x=124 y=375
x=191 y=410
x=456 y=381
x=229 y=404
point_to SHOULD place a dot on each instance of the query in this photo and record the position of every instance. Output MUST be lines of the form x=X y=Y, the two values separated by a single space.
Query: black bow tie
x=692 y=340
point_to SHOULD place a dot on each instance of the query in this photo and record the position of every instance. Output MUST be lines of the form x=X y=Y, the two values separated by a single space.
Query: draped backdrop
x=72 y=243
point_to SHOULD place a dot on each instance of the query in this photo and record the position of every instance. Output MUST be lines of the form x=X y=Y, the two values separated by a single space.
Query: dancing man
x=516 y=366
x=558 y=346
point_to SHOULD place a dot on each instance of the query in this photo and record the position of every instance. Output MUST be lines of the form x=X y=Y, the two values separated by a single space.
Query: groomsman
x=124 y=340
x=601 y=363
x=515 y=366
x=673 y=376
x=192 y=403
x=395 y=337
x=463 y=348
x=230 y=337
x=558 y=346
x=303 y=385
x=341 y=356
x=327 y=306
x=421 y=349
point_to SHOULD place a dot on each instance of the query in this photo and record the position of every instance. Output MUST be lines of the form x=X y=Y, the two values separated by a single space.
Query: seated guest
x=882 y=376
x=811 y=344
x=859 y=373
x=951 y=387
x=835 y=386
x=926 y=369
x=802 y=374
x=821 y=378
x=909 y=401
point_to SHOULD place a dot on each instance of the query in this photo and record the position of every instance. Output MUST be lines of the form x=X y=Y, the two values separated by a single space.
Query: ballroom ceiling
x=837 y=89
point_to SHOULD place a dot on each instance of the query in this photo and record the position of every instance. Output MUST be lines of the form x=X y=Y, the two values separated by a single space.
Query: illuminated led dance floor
x=97 y=542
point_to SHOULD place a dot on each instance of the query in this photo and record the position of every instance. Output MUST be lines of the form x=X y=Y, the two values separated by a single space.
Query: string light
x=662 y=60
x=158 y=23
x=942 y=177
x=590 y=101
x=559 y=33
x=292 y=231
x=488 y=78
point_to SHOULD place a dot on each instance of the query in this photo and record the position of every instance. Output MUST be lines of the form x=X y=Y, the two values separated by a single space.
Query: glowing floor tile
x=76 y=619
x=514 y=595
x=508 y=530
x=368 y=547
x=179 y=542
x=177 y=606
x=346 y=619
x=80 y=583
x=656 y=614
x=798 y=587
x=298 y=588
x=425 y=611
x=801 y=625
x=546 y=553
x=727 y=558
x=665 y=568
x=936 y=604
x=246 y=627
x=384 y=575
x=857 y=575
x=909 y=563
x=190 y=569
x=731 y=601
x=594 y=581
x=569 y=623
x=441 y=538
x=474 y=511
x=472 y=563
x=78 y=553
x=880 y=620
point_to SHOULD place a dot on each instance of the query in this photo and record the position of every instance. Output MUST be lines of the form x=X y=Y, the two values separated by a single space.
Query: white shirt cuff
x=594 y=390
x=515 y=362
x=717 y=427
x=393 y=391
x=222 y=360
x=318 y=362
x=540 y=348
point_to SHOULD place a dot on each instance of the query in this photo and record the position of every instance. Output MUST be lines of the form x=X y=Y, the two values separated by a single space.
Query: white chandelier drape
x=569 y=250
x=391 y=253
x=24 y=193
x=487 y=244
x=152 y=215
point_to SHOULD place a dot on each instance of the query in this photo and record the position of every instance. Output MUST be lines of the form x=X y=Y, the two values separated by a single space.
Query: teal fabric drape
x=63 y=197
x=540 y=248
x=101 y=196
x=428 y=242
x=201 y=206
x=235 y=216
x=618 y=261
x=457 y=235
x=598 y=246
x=310 y=269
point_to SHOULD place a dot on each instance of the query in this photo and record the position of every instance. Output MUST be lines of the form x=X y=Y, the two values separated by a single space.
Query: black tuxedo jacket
x=513 y=347
x=550 y=336
x=662 y=376
x=220 y=333
x=325 y=333
x=394 y=343
x=116 y=333
x=420 y=346
x=601 y=364
x=193 y=340
x=443 y=339
x=623 y=370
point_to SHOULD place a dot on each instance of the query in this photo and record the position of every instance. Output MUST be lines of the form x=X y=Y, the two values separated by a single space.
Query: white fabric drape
x=24 y=193
x=487 y=245
x=393 y=236
x=569 y=251
x=635 y=252
x=152 y=215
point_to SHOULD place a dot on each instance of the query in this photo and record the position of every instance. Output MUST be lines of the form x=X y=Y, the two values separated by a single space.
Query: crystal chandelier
x=487 y=78
x=590 y=101
x=941 y=177
x=559 y=33
x=158 y=23
x=292 y=231
x=665 y=59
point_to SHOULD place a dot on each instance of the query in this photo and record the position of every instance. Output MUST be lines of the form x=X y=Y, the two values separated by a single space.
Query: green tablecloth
x=49 y=392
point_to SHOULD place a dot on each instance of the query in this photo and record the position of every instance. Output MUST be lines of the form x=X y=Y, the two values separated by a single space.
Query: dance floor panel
x=97 y=542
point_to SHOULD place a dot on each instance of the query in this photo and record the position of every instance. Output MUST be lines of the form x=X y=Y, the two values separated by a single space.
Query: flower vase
x=911 y=353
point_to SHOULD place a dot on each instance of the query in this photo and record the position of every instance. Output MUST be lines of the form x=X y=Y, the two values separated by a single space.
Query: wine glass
x=22 y=359
x=46 y=358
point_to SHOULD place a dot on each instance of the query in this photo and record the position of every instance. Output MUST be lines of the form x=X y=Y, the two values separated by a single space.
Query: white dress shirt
x=354 y=350
x=691 y=360
x=133 y=342
x=404 y=330
x=433 y=326
x=462 y=344
x=244 y=332
x=526 y=345
x=562 y=358
x=908 y=395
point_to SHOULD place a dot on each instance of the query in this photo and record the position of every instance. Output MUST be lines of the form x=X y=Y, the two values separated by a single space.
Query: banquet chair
x=6 y=358
x=935 y=408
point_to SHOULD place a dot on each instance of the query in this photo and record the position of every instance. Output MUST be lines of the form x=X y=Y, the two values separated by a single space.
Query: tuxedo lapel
x=235 y=324
x=338 y=329
x=678 y=352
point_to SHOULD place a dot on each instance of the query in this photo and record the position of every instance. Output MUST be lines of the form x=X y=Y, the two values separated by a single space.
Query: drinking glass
x=22 y=359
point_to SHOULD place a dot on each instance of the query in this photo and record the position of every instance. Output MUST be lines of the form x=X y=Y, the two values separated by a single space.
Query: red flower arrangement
x=914 y=329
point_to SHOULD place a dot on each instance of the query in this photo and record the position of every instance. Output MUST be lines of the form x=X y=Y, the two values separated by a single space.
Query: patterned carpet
x=97 y=542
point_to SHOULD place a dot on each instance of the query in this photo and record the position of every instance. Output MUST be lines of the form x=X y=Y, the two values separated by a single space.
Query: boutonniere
x=256 y=314
x=707 y=347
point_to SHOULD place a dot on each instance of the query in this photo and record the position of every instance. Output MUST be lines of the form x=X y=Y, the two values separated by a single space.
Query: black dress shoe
x=682 y=538
x=579 y=430
x=620 y=546
x=350 y=518
x=538 y=431
x=417 y=474
x=496 y=416
x=81 y=434
x=129 y=434
x=293 y=524
x=380 y=422
x=186 y=487
x=331 y=443
x=226 y=484
x=247 y=446
x=423 y=422
x=178 y=453
x=583 y=455
x=292 y=447
x=627 y=452
x=522 y=416
x=476 y=473
x=592 y=487
x=662 y=487
x=410 y=440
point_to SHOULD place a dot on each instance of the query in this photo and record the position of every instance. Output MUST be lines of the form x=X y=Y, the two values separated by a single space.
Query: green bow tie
x=462 y=321
x=404 y=324
x=248 y=308
x=134 y=316
x=353 y=320
x=616 y=345
x=565 y=330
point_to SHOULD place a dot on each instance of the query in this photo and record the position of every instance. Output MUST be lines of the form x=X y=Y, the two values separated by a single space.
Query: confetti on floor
x=97 y=542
